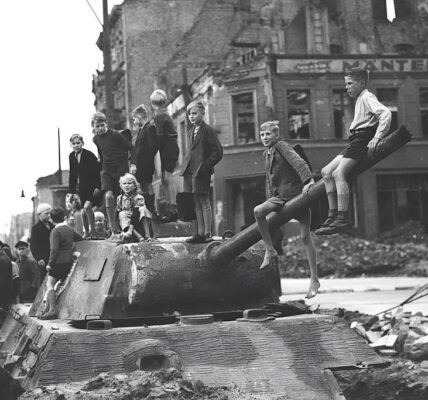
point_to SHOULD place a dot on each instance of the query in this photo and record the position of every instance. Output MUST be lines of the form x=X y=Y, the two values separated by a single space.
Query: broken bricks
x=397 y=333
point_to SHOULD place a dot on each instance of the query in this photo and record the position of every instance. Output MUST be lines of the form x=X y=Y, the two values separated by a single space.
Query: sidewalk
x=300 y=286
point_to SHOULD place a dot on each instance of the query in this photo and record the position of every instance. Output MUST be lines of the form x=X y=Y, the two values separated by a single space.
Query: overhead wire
x=93 y=11
x=418 y=294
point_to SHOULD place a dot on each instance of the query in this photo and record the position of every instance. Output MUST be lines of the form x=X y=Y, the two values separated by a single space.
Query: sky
x=49 y=57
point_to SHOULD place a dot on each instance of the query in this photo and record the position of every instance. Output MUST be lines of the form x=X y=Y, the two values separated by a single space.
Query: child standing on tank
x=287 y=175
x=204 y=151
x=134 y=217
x=143 y=155
x=84 y=180
x=168 y=149
x=113 y=150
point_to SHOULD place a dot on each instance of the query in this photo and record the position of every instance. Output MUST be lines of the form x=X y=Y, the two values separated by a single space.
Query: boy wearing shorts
x=168 y=150
x=84 y=180
x=370 y=125
x=113 y=150
x=287 y=175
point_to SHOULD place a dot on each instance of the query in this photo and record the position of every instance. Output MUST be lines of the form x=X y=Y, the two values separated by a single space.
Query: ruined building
x=252 y=60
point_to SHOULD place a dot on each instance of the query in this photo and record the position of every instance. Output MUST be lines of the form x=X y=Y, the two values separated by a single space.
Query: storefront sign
x=318 y=66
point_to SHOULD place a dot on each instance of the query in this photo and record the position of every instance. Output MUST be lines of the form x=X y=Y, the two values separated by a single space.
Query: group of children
x=124 y=175
x=128 y=190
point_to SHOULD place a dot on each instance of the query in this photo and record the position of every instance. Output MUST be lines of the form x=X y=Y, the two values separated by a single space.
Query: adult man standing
x=28 y=273
x=40 y=232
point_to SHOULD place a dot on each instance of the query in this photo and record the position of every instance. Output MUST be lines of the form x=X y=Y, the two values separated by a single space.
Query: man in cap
x=28 y=273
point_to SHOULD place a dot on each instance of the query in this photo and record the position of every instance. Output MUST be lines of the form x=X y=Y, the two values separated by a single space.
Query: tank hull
x=283 y=357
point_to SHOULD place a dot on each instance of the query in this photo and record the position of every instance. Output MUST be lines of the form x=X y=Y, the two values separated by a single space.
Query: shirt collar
x=361 y=93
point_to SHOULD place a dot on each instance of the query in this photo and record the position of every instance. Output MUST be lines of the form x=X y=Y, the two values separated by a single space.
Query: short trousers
x=303 y=216
x=60 y=271
x=358 y=142
x=169 y=151
x=110 y=175
x=86 y=195
x=145 y=173
x=196 y=185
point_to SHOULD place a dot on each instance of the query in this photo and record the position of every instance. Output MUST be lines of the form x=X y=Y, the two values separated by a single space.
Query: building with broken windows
x=284 y=60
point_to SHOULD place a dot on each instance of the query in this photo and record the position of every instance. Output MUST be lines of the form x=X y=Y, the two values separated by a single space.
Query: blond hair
x=130 y=177
x=271 y=126
x=159 y=98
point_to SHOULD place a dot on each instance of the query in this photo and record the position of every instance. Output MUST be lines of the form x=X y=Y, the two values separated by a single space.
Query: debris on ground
x=410 y=231
x=400 y=338
x=340 y=256
x=164 y=384
x=396 y=333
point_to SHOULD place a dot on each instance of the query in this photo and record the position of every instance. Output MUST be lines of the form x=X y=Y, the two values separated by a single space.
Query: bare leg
x=169 y=186
x=340 y=174
x=260 y=212
x=90 y=217
x=329 y=182
x=50 y=297
x=85 y=223
x=111 y=212
x=311 y=255
x=146 y=228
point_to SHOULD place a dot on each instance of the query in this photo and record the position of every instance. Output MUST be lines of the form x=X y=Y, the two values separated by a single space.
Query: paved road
x=365 y=302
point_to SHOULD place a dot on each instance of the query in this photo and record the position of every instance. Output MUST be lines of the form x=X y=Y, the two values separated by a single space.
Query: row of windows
x=299 y=113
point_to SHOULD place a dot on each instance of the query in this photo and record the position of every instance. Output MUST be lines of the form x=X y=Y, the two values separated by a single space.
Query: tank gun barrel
x=223 y=253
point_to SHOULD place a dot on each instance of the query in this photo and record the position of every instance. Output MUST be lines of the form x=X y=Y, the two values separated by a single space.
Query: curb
x=358 y=290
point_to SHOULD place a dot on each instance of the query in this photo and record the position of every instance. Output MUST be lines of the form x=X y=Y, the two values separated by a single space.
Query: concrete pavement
x=300 y=286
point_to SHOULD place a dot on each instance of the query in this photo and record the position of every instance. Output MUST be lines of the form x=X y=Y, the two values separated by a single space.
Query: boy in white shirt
x=370 y=125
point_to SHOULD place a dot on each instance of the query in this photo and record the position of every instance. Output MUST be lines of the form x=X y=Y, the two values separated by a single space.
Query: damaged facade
x=284 y=60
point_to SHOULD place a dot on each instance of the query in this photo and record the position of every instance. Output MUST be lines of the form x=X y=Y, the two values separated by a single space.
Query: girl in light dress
x=134 y=216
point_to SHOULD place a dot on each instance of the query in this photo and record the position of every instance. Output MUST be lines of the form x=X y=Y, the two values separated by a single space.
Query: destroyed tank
x=195 y=307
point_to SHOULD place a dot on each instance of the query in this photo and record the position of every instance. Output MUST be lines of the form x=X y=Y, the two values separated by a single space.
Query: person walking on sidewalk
x=370 y=125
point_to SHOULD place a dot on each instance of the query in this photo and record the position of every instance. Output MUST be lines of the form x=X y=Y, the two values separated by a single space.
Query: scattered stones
x=163 y=384
x=400 y=332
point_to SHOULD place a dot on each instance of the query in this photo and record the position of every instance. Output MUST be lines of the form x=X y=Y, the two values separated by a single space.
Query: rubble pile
x=399 y=338
x=398 y=333
x=164 y=384
x=410 y=231
x=348 y=256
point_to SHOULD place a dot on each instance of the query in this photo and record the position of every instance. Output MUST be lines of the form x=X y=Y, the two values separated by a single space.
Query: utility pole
x=59 y=159
x=107 y=65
